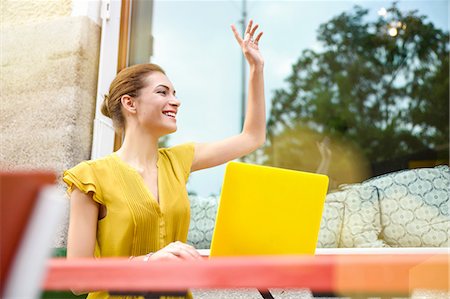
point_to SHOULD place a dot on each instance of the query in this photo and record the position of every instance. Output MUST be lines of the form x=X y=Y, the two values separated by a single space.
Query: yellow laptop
x=268 y=211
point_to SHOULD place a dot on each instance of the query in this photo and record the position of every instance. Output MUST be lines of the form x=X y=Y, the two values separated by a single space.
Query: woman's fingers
x=188 y=249
x=253 y=30
x=236 y=34
x=184 y=251
x=248 y=35
x=169 y=256
x=182 y=254
x=258 y=37
x=176 y=251
x=249 y=26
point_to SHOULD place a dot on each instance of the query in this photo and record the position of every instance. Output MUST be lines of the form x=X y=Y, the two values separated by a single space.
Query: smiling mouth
x=170 y=114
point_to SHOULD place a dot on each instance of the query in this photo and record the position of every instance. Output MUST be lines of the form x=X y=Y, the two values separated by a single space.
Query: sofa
x=408 y=208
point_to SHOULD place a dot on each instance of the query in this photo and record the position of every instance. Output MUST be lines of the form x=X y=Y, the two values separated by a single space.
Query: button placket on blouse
x=162 y=231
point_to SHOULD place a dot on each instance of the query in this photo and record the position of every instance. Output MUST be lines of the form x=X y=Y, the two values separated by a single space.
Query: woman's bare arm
x=254 y=131
x=82 y=225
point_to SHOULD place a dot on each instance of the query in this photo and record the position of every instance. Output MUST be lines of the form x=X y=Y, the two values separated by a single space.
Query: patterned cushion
x=362 y=220
x=203 y=217
x=414 y=207
x=331 y=224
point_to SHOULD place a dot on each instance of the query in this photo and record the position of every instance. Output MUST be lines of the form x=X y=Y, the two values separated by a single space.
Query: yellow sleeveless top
x=135 y=224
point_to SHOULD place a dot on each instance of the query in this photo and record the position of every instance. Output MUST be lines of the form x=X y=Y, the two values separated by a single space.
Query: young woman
x=134 y=202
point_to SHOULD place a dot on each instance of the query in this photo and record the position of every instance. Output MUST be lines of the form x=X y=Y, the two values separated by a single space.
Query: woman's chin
x=163 y=129
x=170 y=130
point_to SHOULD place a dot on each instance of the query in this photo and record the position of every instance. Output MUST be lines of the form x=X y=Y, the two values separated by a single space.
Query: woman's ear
x=128 y=103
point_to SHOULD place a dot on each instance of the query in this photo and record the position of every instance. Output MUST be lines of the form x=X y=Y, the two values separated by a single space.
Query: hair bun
x=105 y=106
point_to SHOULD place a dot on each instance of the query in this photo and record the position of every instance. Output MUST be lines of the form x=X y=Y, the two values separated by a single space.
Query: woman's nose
x=175 y=102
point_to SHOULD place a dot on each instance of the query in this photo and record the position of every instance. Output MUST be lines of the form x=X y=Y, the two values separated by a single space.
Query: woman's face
x=157 y=105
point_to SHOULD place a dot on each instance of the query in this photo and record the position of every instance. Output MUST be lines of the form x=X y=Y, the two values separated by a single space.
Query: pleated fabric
x=136 y=223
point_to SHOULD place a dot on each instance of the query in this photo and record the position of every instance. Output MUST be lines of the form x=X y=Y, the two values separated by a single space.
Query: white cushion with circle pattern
x=331 y=223
x=203 y=217
x=414 y=207
x=362 y=219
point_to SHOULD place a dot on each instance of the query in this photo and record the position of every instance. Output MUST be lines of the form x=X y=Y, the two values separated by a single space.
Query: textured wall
x=48 y=91
x=26 y=11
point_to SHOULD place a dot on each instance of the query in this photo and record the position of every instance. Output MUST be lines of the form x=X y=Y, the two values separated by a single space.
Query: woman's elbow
x=253 y=142
x=258 y=142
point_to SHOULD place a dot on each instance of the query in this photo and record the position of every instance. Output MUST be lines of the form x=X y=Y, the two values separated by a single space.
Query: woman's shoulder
x=178 y=149
x=181 y=153
x=94 y=164
x=102 y=160
x=179 y=158
x=90 y=176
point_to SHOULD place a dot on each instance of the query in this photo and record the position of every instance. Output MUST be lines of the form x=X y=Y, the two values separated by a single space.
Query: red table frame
x=340 y=274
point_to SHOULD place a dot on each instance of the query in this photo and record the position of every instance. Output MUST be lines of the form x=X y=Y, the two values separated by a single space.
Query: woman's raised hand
x=249 y=44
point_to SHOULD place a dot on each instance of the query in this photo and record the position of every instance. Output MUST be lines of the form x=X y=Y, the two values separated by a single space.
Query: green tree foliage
x=163 y=141
x=385 y=95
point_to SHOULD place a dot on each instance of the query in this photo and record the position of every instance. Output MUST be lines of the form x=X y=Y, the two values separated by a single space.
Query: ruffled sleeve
x=83 y=177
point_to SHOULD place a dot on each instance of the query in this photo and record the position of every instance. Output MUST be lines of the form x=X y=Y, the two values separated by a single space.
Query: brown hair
x=128 y=81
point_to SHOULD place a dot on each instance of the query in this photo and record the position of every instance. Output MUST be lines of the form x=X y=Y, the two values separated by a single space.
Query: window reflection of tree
x=380 y=97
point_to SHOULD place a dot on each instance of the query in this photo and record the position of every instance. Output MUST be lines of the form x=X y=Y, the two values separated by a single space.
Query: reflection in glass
x=377 y=90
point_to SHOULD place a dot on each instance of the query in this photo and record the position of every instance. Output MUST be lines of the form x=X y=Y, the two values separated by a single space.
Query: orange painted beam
x=432 y=273
x=330 y=273
x=390 y=273
x=123 y=275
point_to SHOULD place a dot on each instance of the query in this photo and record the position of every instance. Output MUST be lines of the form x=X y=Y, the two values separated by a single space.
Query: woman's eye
x=162 y=92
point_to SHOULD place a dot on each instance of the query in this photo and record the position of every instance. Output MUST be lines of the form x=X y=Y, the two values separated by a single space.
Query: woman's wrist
x=257 y=67
x=144 y=258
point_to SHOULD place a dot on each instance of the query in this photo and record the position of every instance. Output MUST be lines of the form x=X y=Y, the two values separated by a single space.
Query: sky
x=194 y=44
